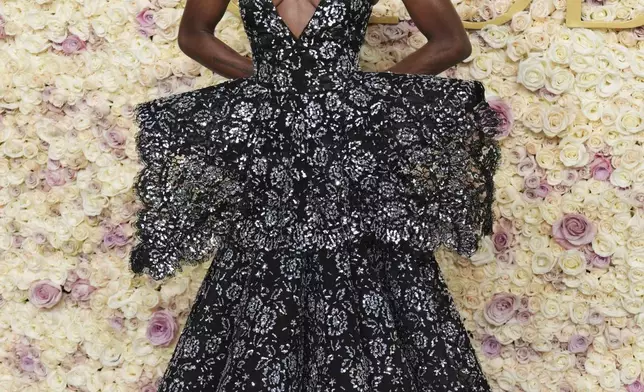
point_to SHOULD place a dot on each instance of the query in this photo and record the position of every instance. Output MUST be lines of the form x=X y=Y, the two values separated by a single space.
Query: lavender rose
x=145 y=18
x=45 y=293
x=504 y=112
x=72 y=44
x=162 y=328
x=502 y=240
x=573 y=231
x=578 y=344
x=600 y=168
x=637 y=386
x=638 y=33
x=81 y=289
x=491 y=347
x=501 y=308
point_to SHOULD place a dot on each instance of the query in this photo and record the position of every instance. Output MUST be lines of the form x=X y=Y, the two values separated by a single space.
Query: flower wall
x=554 y=299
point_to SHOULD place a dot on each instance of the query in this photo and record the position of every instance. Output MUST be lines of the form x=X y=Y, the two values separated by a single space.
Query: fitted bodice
x=326 y=50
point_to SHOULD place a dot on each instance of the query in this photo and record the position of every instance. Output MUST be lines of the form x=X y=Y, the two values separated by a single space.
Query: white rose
x=621 y=56
x=517 y=48
x=532 y=73
x=572 y=262
x=559 y=80
x=32 y=43
x=609 y=84
x=630 y=121
x=77 y=376
x=587 y=79
x=600 y=14
x=543 y=262
x=521 y=21
x=481 y=67
x=537 y=39
x=574 y=155
x=603 y=244
x=146 y=52
x=167 y=17
x=556 y=120
x=586 y=42
x=610 y=381
x=578 y=311
x=541 y=9
x=495 y=36
x=117 y=14
x=506 y=381
x=580 y=63
x=592 y=109
x=621 y=177
x=56 y=380
x=559 y=53
x=630 y=370
x=485 y=252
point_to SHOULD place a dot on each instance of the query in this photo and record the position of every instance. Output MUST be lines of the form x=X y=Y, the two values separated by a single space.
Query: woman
x=321 y=191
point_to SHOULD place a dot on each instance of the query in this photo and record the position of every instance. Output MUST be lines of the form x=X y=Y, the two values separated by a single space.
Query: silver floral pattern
x=321 y=191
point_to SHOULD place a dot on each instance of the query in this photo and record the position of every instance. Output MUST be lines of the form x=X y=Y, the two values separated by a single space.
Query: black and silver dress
x=322 y=191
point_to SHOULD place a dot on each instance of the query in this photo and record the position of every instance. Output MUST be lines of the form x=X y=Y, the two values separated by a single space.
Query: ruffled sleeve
x=189 y=187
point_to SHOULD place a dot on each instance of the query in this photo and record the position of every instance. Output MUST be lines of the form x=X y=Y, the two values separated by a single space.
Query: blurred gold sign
x=573 y=17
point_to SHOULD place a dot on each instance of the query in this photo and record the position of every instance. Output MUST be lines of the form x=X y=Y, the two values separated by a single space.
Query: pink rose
x=115 y=138
x=523 y=317
x=117 y=323
x=637 y=386
x=573 y=230
x=502 y=240
x=28 y=363
x=524 y=354
x=504 y=111
x=161 y=328
x=55 y=177
x=44 y=293
x=81 y=289
x=578 y=344
x=72 y=44
x=597 y=261
x=505 y=258
x=145 y=18
x=491 y=347
x=149 y=388
x=394 y=32
x=501 y=308
x=601 y=168
x=146 y=31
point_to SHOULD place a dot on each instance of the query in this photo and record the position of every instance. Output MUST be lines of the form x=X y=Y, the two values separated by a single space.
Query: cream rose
x=532 y=73
x=521 y=21
x=495 y=36
x=572 y=262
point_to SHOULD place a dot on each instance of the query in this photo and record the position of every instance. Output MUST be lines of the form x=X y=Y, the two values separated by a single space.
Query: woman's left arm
x=447 y=40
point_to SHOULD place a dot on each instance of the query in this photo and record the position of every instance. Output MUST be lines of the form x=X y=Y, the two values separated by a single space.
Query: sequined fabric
x=321 y=191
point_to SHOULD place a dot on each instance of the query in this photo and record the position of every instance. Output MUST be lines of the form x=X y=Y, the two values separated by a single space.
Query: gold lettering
x=518 y=6
x=573 y=19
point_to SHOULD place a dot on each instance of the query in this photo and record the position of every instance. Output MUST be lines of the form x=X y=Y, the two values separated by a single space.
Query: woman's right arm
x=197 y=40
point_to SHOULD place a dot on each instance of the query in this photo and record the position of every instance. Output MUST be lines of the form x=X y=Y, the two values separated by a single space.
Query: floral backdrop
x=554 y=299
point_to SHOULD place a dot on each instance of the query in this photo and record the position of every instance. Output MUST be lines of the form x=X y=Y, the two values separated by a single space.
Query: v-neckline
x=307 y=27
